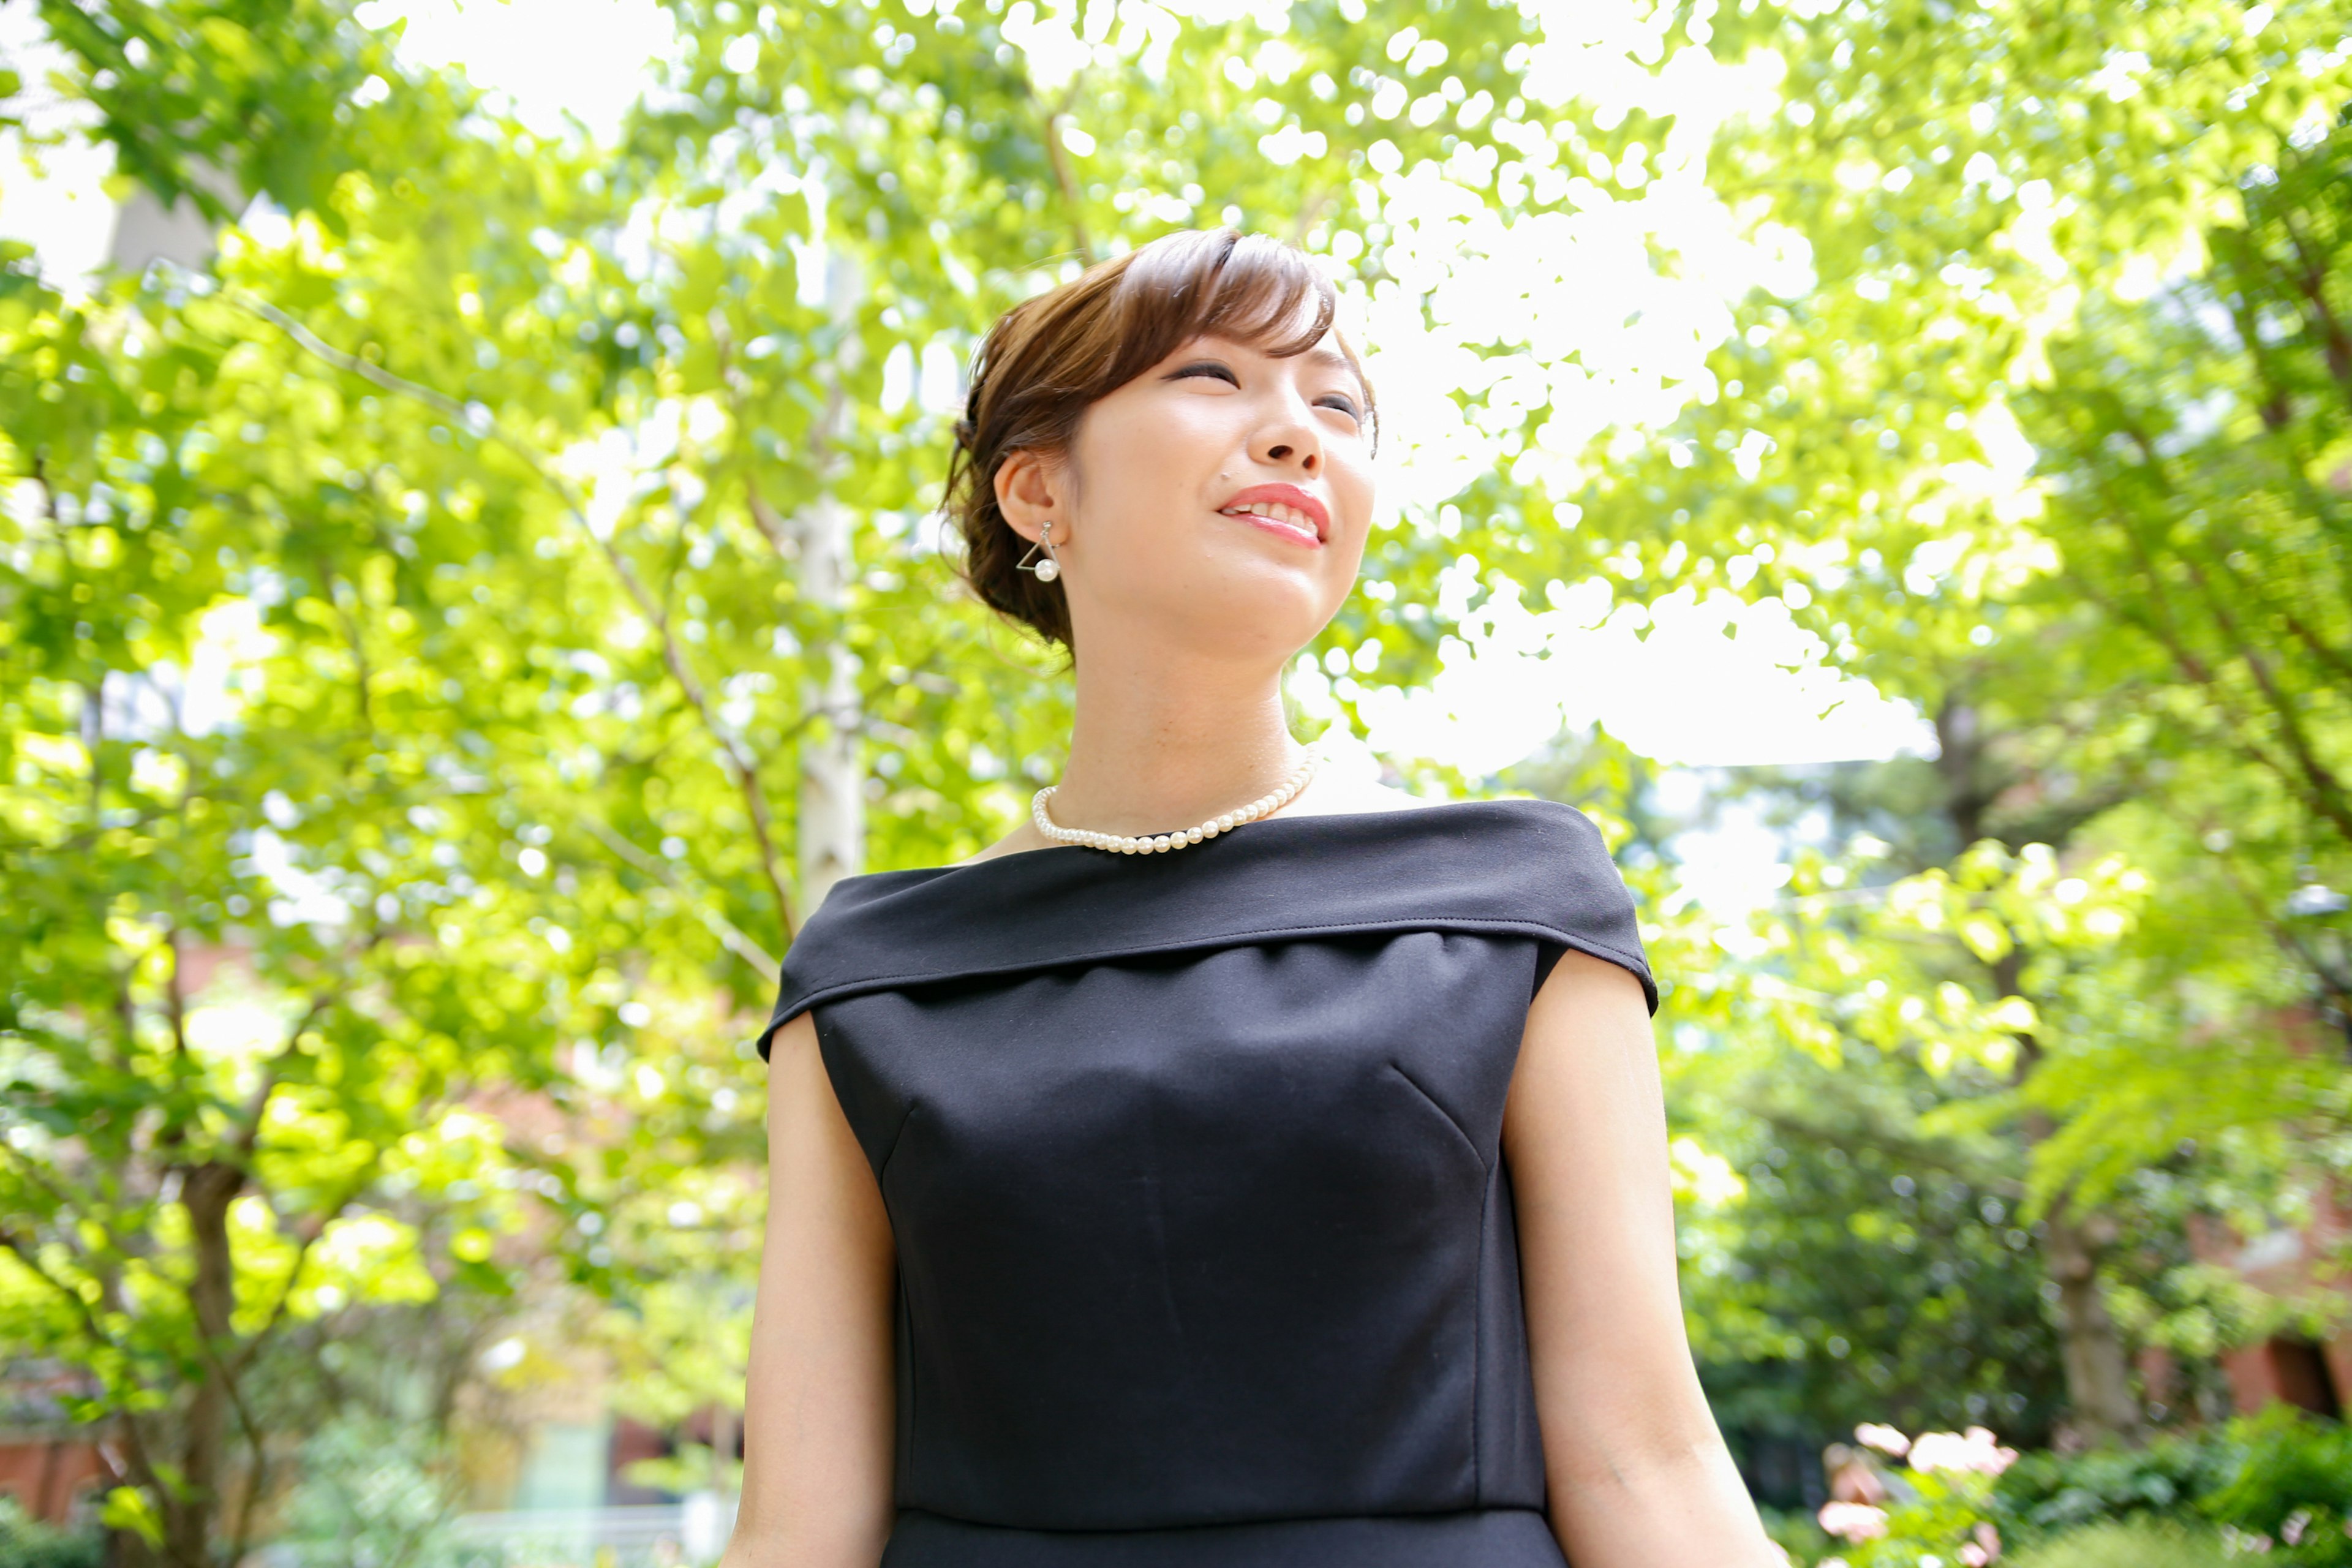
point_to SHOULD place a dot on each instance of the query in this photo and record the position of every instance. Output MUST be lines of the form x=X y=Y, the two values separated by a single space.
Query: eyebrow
x=1332 y=359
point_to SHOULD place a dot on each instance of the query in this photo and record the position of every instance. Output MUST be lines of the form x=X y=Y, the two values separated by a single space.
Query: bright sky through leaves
x=1668 y=679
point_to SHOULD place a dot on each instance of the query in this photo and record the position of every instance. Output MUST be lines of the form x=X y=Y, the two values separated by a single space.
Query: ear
x=1031 y=492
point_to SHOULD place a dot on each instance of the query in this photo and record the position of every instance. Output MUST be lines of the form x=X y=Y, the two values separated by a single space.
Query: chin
x=1262 y=613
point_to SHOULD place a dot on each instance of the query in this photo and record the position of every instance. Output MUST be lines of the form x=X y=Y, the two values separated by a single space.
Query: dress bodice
x=1194 y=1167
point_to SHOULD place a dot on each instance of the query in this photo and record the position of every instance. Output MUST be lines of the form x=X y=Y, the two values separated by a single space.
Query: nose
x=1291 y=441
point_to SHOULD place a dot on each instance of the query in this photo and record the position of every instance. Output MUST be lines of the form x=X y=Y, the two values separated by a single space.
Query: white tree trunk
x=831 y=836
x=833 y=772
x=146 y=231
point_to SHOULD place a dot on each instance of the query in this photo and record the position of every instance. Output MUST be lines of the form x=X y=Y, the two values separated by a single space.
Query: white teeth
x=1278 y=512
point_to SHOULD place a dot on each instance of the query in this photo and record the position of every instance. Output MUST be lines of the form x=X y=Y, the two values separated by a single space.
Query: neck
x=1159 y=743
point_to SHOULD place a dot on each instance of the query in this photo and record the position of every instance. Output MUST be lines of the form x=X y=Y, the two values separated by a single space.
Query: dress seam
x=1478 y=1340
x=1207 y=1525
x=1450 y=1119
x=1637 y=964
x=905 y=1296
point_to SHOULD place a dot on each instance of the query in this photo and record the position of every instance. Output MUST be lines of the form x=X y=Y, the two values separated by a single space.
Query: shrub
x=1796 y=1533
x=2290 y=1492
x=1939 y=1510
x=2279 y=1486
x=2046 y=1493
x=26 y=1543
x=2134 y=1543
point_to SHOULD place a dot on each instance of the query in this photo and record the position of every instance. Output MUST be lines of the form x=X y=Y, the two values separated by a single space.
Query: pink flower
x=2296 y=1523
x=1884 y=1438
x=1982 y=1549
x=1975 y=1451
x=1854 y=1522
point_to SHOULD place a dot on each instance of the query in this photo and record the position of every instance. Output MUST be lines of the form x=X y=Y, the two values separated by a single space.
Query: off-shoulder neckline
x=1514 y=866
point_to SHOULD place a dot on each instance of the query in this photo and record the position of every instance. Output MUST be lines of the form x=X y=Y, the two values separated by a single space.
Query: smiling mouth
x=1286 y=519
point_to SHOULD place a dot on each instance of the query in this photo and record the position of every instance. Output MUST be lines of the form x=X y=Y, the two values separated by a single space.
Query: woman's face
x=1219 y=501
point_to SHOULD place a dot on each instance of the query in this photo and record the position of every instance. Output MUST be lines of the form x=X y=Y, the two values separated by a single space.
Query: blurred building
x=2309 y=1264
x=2301 y=1264
x=50 y=1467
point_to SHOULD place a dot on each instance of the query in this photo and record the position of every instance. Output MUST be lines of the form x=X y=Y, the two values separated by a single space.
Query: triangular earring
x=1047 y=569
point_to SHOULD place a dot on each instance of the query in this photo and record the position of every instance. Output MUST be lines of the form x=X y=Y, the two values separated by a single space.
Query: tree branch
x=257 y=1104
x=22 y=1250
x=1063 y=175
x=305 y=1238
x=735 y=758
x=728 y=936
x=2310 y=281
x=2324 y=790
x=363 y=679
x=1903 y=1149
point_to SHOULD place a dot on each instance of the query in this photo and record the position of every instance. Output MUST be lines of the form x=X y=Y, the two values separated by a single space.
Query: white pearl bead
x=1159 y=843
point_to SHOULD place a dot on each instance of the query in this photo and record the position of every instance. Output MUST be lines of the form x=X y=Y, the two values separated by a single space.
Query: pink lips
x=1305 y=512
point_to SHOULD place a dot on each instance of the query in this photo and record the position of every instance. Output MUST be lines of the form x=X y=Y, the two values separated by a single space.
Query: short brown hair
x=1047 y=359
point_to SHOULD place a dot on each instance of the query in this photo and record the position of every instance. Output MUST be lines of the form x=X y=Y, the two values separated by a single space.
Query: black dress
x=1193 y=1165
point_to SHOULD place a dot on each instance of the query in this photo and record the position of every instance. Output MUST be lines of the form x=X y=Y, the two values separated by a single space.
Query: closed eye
x=1210 y=367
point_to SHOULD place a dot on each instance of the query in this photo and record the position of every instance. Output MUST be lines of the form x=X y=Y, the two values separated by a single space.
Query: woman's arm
x=1637 y=1474
x=818 y=1405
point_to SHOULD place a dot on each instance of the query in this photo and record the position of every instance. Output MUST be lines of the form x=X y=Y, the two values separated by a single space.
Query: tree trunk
x=2098 y=1373
x=190 y=1510
x=723 y=1430
x=2101 y=1403
x=833 y=772
x=832 y=836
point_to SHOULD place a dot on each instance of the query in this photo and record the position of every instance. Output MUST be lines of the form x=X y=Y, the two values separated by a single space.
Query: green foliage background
x=422 y=643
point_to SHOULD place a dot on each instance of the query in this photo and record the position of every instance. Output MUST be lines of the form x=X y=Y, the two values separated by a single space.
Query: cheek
x=1138 y=473
x=1353 y=486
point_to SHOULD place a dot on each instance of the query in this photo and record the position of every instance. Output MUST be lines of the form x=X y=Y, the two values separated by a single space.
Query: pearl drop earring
x=1047 y=569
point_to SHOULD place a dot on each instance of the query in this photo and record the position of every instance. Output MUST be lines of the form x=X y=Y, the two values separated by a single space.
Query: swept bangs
x=1247 y=288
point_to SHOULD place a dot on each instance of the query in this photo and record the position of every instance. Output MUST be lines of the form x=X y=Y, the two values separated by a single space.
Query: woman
x=1233 y=1165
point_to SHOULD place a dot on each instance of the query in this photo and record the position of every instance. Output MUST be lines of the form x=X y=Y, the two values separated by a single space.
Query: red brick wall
x=46 y=1475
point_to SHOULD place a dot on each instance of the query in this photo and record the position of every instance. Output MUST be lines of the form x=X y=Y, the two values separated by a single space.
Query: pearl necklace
x=1161 y=843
